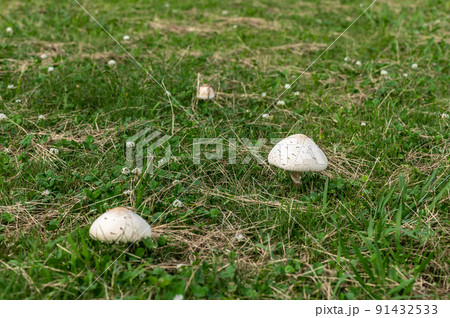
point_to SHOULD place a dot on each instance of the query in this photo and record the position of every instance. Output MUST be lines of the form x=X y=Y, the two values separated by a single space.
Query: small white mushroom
x=358 y=63
x=205 y=92
x=298 y=153
x=287 y=86
x=383 y=72
x=112 y=63
x=281 y=103
x=54 y=151
x=405 y=74
x=126 y=37
x=3 y=116
x=120 y=225
x=263 y=94
x=9 y=30
x=414 y=65
x=43 y=56
x=11 y=86
x=50 y=69
x=347 y=59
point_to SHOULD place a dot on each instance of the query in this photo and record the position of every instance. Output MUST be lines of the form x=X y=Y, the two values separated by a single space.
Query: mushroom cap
x=119 y=225
x=298 y=153
x=205 y=92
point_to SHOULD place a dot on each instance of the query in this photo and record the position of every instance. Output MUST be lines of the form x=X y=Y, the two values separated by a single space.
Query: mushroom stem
x=296 y=176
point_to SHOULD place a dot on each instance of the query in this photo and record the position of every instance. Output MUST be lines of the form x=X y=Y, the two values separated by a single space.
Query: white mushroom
x=205 y=91
x=120 y=225
x=298 y=153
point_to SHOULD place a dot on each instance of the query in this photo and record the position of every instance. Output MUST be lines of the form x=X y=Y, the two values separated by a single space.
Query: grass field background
x=374 y=225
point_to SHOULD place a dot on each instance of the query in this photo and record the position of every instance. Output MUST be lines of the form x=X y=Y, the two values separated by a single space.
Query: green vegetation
x=374 y=225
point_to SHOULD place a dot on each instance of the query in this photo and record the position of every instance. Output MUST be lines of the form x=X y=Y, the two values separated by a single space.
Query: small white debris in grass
x=319 y=21
x=112 y=63
x=43 y=56
x=384 y=72
x=7 y=150
x=127 y=192
x=405 y=74
x=444 y=116
x=235 y=26
x=46 y=192
x=9 y=30
x=54 y=151
x=361 y=5
x=3 y=116
x=50 y=69
x=130 y=144
x=287 y=86
x=125 y=170
x=239 y=237
x=297 y=94
x=41 y=117
x=414 y=65
x=11 y=86
x=358 y=63
x=175 y=182
x=224 y=12
x=18 y=101
x=180 y=266
x=137 y=171
x=265 y=116
x=347 y=59
x=177 y=203
x=167 y=5
x=363 y=124
x=126 y=37
x=178 y=297
x=281 y=103
x=263 y=94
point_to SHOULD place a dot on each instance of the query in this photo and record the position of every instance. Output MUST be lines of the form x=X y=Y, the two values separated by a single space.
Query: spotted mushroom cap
x=119 y=225
x=298 y=153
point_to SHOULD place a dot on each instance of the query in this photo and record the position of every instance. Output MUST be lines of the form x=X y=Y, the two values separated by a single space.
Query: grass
x=374 y=225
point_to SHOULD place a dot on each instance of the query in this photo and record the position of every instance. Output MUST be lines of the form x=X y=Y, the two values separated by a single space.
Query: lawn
x=374 y=225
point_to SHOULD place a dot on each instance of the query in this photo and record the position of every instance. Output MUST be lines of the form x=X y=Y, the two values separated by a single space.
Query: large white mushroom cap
x=298 y=153
x=120 y=225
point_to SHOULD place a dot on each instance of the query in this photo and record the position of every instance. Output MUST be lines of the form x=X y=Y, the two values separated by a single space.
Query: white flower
x=127 y=192
x=347 y=59
x=54 y=151
x=41 y=117
x=3 y=116
x=281 y=103
x=358 y=63
x=297 y=94
x=405 y=74
x=177 y=203
x=265 y=116
x=175 y=182
x=50 y=69
x=18 y=101
x=130 y=144
x=137 y=171
x=363 y=124
x=112 y=63
x=383 y=72
x=9 y=30
x=43 y=56
x=263 y=94
x=239 y=237
x=126 y=37
x=11 y=86
x=224 y=12
x=178 y=297
x=46 y=192
x=444 y=116
x=414 y=65
x=287 y=86
x=125 y=170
